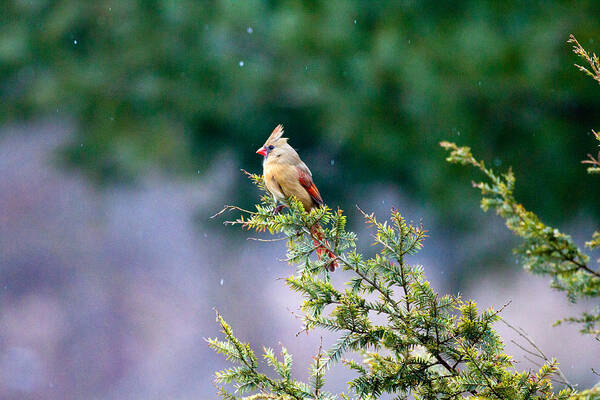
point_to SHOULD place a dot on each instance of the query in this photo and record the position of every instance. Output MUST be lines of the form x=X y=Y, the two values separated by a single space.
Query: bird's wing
x=301 y=165
x=307 y=183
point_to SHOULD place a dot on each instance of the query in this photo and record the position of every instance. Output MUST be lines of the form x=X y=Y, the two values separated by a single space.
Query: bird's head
x=275 y=143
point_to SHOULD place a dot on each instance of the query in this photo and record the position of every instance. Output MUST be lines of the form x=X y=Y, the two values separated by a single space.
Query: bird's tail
x=318 y=240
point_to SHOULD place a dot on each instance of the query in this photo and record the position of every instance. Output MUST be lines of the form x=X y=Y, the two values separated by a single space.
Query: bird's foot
x=278 y=209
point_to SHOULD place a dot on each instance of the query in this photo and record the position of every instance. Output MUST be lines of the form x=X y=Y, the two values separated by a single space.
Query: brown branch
x=318 y=368
x=228 y=208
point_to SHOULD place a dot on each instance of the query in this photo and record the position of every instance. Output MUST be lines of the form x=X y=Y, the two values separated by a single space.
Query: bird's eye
x=271 y=147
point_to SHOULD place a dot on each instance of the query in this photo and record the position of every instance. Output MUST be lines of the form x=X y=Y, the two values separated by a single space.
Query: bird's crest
x=276 y=135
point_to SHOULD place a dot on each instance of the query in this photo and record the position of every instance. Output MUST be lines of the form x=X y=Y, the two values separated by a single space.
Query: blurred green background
x=123 y=126
x=369 y=86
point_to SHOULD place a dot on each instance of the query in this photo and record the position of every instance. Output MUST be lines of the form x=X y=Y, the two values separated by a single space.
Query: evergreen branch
x=317 y=371
x=343 y=345
x=593 y=61
x=489 y=384
x=360 y=273
x=247 y=376
x=545 y=250
x=340 y=347
x=430 y=346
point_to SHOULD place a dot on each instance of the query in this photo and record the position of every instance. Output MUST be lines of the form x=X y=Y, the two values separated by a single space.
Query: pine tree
x=430 y=346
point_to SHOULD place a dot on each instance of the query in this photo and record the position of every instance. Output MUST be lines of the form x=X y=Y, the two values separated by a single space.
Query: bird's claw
x=278 y=209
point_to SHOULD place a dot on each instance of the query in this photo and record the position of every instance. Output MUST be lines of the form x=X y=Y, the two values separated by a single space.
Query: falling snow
x=250 y=30
x=241 y=63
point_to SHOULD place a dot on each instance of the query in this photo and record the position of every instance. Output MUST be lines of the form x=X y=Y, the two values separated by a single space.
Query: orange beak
x=262 y=151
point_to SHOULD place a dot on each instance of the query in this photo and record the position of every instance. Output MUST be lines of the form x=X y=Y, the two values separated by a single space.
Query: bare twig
x=536 y=363
x=268 y=240
x=229 y=208
x=526 y=350
x=521 y=332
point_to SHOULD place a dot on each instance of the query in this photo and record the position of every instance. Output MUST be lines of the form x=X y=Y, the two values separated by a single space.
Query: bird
x=286 y=175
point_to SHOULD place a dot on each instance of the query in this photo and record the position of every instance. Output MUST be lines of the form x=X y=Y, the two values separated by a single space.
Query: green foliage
x=426 y=345
x=545 y=250
x=246 y=377
x=594 y=64
x=593 y=61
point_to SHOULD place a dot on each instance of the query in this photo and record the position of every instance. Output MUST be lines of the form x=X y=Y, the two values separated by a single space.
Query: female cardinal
x=286 y=175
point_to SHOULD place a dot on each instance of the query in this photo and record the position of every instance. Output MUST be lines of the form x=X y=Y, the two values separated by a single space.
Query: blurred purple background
x=109 y=294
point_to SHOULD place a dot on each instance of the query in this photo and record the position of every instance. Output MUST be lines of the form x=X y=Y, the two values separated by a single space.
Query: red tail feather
x=318 y=240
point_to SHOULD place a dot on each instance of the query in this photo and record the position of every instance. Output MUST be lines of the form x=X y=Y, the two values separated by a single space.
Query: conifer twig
x=592 y=60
